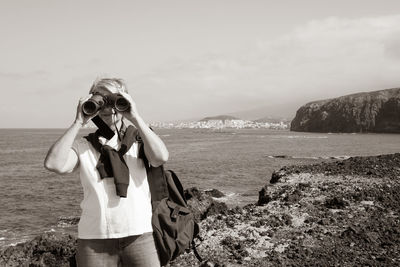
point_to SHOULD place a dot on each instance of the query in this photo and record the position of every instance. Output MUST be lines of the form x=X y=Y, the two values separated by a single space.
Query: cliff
x=377 y=111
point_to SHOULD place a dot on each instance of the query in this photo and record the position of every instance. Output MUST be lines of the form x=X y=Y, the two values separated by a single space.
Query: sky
x=190 y=59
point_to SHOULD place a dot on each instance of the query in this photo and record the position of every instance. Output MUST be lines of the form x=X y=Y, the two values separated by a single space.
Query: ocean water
x=237 y=162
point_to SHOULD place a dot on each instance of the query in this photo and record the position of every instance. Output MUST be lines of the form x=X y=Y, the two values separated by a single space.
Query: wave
x=306 y=137
x=20 y=150
x=231 y=199
x=67 y=221
x=296 y=157
x=13 y=239
x=341 y=157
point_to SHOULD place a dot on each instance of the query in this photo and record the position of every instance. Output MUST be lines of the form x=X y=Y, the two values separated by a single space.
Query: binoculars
x=98 y=102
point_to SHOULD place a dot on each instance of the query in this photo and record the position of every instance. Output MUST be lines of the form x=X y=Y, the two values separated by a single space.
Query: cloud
x=23 y=75
x=341 y=55
x=320 y=59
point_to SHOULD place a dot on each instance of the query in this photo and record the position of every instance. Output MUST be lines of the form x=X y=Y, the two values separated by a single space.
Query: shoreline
x=343 y=212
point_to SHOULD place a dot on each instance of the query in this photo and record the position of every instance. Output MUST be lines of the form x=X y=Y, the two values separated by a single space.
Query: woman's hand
x=154 y=147
x=132 y=113
x=81 y=118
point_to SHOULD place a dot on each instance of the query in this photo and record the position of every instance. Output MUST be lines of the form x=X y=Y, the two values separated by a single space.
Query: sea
x=238 y=162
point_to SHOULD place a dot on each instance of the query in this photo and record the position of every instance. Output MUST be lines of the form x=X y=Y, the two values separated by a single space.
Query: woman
x=115 y=226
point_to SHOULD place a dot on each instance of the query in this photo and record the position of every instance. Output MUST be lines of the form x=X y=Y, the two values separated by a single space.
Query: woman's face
x=108 y=114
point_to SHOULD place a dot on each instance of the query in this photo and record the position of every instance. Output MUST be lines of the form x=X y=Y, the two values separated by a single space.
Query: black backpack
x=174 y=227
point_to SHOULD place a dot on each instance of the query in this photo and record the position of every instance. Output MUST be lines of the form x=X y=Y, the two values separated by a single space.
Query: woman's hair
x=113 y=85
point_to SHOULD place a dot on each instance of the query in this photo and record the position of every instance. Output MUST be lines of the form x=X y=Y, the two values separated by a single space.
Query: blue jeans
x=137 y=250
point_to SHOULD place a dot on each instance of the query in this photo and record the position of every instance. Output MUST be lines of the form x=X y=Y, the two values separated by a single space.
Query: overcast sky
x=191 y=59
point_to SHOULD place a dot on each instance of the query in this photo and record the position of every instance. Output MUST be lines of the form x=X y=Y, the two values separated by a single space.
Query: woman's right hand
x=81 y=118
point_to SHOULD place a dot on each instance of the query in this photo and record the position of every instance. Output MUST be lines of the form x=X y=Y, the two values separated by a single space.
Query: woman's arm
x=154 y=148
x=61 y=158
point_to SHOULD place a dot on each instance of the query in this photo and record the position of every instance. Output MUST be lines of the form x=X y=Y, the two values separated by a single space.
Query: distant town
x=221 y=122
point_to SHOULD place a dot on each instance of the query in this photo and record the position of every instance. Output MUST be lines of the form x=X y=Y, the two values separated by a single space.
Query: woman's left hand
x=132 y=113
x=154 y=147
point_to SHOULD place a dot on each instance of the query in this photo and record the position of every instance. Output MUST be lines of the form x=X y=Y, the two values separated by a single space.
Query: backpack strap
x=178 y=185
x=155 y=178
x=196 y=253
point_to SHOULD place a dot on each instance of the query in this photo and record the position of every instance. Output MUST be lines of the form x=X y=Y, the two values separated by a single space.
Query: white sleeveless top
x=104 y=213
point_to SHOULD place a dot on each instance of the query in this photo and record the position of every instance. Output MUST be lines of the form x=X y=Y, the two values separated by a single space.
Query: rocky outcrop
x=202 y=204
x=381 y=166
x=46 y=250
x=340 y=213
x=377 y=111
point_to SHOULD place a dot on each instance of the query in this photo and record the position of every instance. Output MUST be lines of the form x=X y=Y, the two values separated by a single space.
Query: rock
x=48 y=249
x=376 y=111
x=336 y=203
x=192 y=192
x=276 y=175
x=215 y=208
x=312 y=215
x=203 y=204
x=326 y=214
x=209 y=264
x=236 y=247
x=68 y=221
x=214 y=193
x=293 y=197
x=263 y=197
x=198 y=202
x=373 y=166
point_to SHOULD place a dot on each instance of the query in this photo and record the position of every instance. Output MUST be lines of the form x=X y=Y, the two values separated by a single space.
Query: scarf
x=111 y=162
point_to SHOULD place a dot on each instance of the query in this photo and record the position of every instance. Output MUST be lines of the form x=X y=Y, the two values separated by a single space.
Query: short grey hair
x=114 y=85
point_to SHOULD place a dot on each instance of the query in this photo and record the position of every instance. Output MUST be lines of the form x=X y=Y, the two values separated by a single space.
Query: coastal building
x=221 y=124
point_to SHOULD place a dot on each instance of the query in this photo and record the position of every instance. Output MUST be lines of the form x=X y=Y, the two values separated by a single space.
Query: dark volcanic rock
x=198 y=202
x=49 y=249
x=216 y=208
x=371 y=166
x=263 y=197
x=68 y=220
x=202 y=204
x=336 y=203
x=214 y=193
x=343 y=213
x=376 y=111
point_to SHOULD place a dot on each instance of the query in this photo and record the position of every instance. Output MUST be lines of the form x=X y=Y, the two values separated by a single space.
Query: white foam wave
x=306 y=137
x=227 y=197
x=305 y=157
x=340 y=157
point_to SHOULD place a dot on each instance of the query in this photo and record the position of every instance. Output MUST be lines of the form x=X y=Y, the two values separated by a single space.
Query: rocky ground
x=341 y=213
